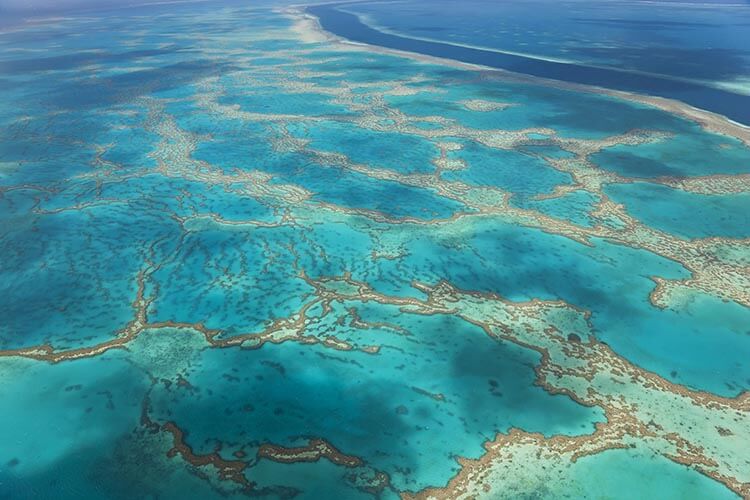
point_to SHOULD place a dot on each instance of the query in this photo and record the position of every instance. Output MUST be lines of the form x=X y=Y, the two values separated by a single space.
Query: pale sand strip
x=309 y=30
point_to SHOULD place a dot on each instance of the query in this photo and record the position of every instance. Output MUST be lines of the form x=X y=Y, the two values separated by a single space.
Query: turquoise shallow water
x=574 y=206
x=178 y=201
x=523 y=175
x=665 y=209
x=399 y=427
x=685 y=155
x=651 y=477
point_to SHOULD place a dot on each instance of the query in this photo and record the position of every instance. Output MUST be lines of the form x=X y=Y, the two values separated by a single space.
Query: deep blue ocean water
x=697 y=40
x=691 y=51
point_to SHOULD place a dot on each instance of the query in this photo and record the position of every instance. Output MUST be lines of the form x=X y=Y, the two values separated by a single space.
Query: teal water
x=569 y=113
x=665 y=209
x=202 y=169
x=645 y=475
x=575 y=206
x=688 y=154
x=523 y=175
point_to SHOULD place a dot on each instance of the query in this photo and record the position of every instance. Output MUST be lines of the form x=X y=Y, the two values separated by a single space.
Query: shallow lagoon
x=172 y=238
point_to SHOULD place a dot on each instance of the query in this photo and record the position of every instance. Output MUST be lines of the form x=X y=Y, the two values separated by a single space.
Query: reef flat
x=242 y=258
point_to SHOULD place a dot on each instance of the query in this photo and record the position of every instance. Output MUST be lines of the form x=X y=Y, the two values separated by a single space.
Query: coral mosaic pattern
x=242 y=258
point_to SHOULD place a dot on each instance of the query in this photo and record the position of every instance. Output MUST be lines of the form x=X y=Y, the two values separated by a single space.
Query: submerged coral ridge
x=258 y=261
